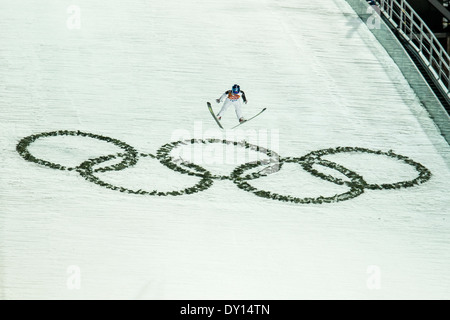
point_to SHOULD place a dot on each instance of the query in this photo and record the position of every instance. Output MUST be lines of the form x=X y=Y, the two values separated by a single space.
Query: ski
x=250 y=118
x=214 y=116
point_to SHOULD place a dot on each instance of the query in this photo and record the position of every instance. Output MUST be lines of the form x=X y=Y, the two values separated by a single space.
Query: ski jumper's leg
x=237 y=107
x=225 y=106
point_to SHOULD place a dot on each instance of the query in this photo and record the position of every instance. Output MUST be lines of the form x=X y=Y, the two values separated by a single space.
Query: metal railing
x=420 y=37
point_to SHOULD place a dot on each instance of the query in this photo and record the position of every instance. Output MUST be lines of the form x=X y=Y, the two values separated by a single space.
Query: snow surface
x=142 y=72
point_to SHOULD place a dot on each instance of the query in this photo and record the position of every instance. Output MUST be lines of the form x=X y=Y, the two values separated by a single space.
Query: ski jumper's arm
x=243 y=97
x=223 y=96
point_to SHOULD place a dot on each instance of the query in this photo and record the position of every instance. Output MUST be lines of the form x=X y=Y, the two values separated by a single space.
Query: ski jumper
x=232 y=99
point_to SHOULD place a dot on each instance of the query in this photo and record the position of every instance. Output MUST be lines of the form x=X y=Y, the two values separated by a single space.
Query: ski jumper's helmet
x=236 y=89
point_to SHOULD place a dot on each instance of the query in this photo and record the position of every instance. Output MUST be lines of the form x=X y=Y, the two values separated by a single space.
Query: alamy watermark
x=373 y=21
x=218 y=153
x=74 y=20
x=374 y=279
x=73 y=281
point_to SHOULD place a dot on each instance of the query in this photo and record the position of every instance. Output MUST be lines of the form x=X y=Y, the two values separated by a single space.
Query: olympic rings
x=356 y=187
x=164 y=151
x=424 y=173
x=129 y=159
x=130 y=156
x=88 y=174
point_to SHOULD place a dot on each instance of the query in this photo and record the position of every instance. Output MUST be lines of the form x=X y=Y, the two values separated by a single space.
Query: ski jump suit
x=232 y=99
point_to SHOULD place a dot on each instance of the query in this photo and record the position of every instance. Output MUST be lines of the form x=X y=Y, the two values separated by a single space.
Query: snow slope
x=141 y=73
